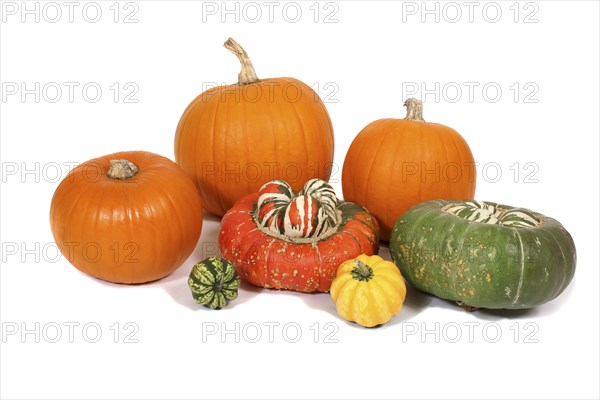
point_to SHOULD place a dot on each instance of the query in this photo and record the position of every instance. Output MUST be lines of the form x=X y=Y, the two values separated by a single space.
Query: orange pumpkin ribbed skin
x=233 y=139
x=127 y=231
x=393 y=164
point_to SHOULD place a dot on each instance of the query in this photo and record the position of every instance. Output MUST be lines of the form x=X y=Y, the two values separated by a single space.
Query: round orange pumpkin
x=233 y=139
x=129 y=217
x=393 y=164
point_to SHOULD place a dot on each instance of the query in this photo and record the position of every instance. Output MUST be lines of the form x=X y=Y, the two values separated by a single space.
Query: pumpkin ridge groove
x=98 y=216
x=379 y=288
x=274 y=135
x=213 y=124
x=522 y=252
x=353 y=238
x=422 y=144
x=363 y=222
x=301 y=122
x=389 y=193
x=320 y=277
x=267 y=261
x=370 y=171
x=195 y=147
x=564 y=261
x=180 y=218
x=460 y=249
x=247 y=151
x=450 y=185
x=459 y=155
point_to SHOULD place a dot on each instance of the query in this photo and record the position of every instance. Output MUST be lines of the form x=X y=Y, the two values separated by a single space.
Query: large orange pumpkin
x=233 y=139
x=393 y=164
x=129 y=217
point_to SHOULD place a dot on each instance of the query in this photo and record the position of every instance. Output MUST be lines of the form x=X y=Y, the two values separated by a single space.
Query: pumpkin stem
x=122 y=169
x=362 y=271
x=414 y=110
x=247 y=74
x=219 y=285
x=466 y=307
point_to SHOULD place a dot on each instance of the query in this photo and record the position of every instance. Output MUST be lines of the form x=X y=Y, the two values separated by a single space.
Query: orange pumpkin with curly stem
x=280 y=239
x=233 y=139
x=393 y=164
x=129 y=217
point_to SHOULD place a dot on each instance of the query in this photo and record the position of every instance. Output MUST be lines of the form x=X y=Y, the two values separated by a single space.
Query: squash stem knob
x=122 y=169
x=466 y=307
x=219 y=284
x=362 y=271
x=247 y=74
x=414 y=110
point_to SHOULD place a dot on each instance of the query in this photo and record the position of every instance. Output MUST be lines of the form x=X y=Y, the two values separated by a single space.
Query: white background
x=369 y=54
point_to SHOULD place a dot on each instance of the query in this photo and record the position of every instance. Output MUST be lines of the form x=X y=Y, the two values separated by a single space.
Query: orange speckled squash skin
x=393 y=164
x=232 y=139
x=131 y=230
x=304 y=265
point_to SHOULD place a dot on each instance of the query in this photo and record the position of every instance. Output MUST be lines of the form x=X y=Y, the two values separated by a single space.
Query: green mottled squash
x=482 y=254
x=214 y=282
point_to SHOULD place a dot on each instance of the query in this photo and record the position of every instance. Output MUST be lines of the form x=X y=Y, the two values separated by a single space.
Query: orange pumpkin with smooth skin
x=393 y=164
x=126 y=229
x=233 y=139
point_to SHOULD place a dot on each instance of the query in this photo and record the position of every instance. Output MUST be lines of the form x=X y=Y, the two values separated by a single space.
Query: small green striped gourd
x=214 y=282
x=482 y=254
